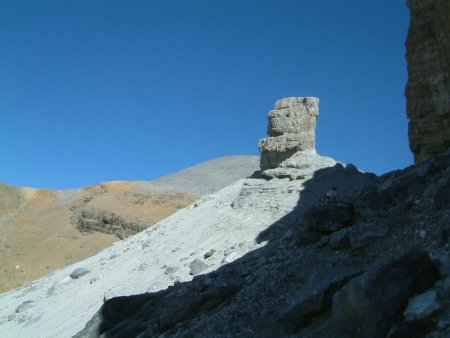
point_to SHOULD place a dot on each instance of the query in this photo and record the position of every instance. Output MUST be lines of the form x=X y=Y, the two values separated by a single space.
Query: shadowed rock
x=428 y=89
x=370 y=304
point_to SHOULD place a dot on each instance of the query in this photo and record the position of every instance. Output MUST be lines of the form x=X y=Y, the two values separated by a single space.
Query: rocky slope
x=352 y=255
x=428 y=89
x=266 y=257
x=370 y=261
x=43 y=230
x=214 y=231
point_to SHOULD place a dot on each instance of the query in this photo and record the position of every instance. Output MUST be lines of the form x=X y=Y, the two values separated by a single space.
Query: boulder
x=368 y=305
x=315 y=296
x=197 y=266
x=328 y=218
x=422 y=306
x=364 y=234
x=79 y=272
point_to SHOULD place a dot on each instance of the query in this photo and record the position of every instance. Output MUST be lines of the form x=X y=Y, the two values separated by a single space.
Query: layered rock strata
x=428 y=91
x=292 y=127
x=89 y=220
x=289 y=151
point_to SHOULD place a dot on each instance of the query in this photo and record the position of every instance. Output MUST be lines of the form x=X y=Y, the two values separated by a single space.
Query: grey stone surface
x=209 y=253
x=315 y=296
x=363 y=234
x=368 y=305
x=442 y=197
x=79 y=272
x=170 y=270
x=328 y=218
x=27 y=305
x=292 y=128
x=204 y=178
x=197 y=266
x=339 y=239
x=422 y=306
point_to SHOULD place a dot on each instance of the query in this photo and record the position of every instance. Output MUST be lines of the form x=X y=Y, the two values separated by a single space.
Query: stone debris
x=209 y=254
x=170 y=270
x=27 y=305
x=422 y=306
x=197 y=266
x=79 y=272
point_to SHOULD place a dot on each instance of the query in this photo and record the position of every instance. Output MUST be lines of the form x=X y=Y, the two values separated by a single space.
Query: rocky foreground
x=370 y=261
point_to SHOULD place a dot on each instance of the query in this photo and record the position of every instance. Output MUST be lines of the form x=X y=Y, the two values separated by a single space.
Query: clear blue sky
x=93 y=91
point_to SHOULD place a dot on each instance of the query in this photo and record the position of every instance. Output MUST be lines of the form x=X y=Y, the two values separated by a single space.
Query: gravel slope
x=228 y=222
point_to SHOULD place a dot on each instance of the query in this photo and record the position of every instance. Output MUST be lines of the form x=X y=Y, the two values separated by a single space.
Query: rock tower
x=428 y=89
x=290 y=149
x=292 y=127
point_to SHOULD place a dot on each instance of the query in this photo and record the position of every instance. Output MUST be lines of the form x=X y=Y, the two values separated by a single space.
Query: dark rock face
x=371 y=303
x=155 y=314
x=428 y=89
x=329 y=217
x=442 y=197
x=411 y=329
x=315 y=296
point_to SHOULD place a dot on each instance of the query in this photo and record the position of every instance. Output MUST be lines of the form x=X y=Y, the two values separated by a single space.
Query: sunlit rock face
x=428 y=91
x=289 y=151
x=292 y=127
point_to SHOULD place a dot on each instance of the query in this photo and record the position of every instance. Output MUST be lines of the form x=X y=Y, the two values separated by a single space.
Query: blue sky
x=93 y=91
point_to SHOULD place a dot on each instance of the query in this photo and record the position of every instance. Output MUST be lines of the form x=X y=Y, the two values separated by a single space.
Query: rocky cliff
x=428 y=89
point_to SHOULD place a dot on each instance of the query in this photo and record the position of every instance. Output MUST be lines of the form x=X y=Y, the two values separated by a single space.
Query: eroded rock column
x=292 y=128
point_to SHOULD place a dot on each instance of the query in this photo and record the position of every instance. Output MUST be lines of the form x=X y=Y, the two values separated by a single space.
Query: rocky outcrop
x=292 y=127
x=88 y=220
x=289 y=151
x=428 y=90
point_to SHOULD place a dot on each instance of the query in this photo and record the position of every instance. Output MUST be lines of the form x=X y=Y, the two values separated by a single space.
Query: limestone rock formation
x=428 y=90
x=289 y=151
x=88 y=220
x=292 y=127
